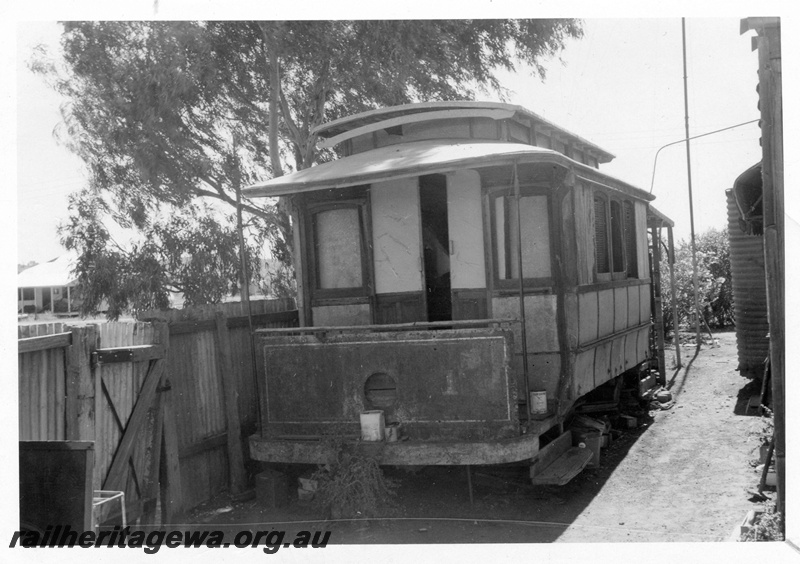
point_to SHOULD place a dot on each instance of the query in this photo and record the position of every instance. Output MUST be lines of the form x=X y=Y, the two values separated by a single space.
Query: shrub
x=715 y=292
x=353 y=484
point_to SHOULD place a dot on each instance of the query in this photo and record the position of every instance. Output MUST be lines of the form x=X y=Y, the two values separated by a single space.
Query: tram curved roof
x=342 y=128
x=418 y=158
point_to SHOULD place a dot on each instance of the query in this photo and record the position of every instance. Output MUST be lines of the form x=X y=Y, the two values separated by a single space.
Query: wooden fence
x=168 y=402
x=210 y=368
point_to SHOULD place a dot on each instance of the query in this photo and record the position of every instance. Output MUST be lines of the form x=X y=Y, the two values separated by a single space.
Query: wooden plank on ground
x=43 y=343
x=551 y=452
x=564 y=468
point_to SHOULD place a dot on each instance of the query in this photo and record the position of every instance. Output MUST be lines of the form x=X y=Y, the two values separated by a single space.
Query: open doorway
x=436 y=246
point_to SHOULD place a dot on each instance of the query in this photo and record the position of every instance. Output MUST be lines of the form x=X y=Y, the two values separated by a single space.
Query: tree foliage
x=715 y=292
x=164 y=113
x=188 y=251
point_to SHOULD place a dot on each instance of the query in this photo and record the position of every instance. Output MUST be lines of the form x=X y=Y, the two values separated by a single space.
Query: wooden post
x=771 y=103
x=151 y=487
x=657 y=311
x=673 y=297
x=169 y=471
x=152 y=484
x=170 y=474
x=80 y=389
x=238 y=480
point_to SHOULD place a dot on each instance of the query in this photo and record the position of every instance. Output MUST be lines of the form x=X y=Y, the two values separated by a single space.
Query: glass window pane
x=616 y=237
x=535 y=237
x=338 y=246
x=600 y=235
x=630 y=240
x=500 y=236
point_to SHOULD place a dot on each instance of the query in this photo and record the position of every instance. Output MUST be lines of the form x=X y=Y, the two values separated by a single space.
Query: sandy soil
x=683 y=475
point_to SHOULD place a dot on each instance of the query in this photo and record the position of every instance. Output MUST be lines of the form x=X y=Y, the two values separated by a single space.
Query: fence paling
x=189 y=428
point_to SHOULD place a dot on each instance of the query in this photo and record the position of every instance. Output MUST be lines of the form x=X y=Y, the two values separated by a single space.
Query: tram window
x=535 y=235
x=630 y=240
x=617 y=245
x=614 y=238
x=601 y=235
x=338 y=248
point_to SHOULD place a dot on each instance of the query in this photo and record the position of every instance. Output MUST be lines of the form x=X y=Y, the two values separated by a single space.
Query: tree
x=21 y=267
x=164 y=113
x=714 y=280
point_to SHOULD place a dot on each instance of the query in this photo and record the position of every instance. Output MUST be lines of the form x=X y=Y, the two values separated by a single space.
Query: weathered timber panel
x=446 y=383
x=640 y=211
x=339 y=315
x=602 y=363
x=396 y=236
x=203 y=475
x=231 y=310
x=584 y=372
x=631 y=350
x=620 y=309
x=587 y=317
x=465 y=225
x=470 y=304
x=617 y=356
x=642 y=345
x=540 y=320
x=404 y=307
x=544 y=372
x=634 y=311
x=196 y=390
x=584 y=233
x=605 y=309
x=644 y=303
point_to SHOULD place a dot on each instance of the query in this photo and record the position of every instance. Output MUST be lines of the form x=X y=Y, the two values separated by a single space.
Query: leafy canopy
x=164 y=113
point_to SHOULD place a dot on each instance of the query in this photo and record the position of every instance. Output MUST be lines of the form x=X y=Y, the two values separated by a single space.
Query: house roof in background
x=57 y=272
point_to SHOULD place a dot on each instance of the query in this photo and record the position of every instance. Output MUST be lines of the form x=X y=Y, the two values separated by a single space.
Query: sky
x=620 y=86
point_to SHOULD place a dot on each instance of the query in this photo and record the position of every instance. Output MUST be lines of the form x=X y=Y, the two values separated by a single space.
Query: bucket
x=372 y=425
x=538 y=403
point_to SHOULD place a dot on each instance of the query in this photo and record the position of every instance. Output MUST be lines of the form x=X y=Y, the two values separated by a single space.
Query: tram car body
x=408 y=253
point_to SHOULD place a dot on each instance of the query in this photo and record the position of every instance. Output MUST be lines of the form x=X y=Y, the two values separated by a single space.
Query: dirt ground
x=683 y=475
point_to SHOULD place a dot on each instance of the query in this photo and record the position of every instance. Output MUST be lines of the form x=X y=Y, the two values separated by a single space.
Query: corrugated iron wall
x=749 y=295
x=42 y=382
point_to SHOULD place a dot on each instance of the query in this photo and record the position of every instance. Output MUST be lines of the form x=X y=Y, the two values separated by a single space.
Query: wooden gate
x=132 y=415
x=105 y=383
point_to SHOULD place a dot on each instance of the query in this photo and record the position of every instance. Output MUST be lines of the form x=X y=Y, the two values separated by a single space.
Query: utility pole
x=691 y=204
